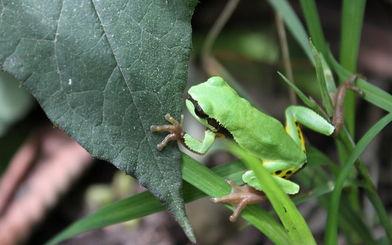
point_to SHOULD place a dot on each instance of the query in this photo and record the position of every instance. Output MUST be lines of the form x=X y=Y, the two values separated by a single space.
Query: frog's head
x=203 y=103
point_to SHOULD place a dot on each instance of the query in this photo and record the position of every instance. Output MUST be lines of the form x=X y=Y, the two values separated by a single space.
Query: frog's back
x=265 y=136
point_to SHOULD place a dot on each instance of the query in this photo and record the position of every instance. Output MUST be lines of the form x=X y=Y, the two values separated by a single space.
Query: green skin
x=280 y=149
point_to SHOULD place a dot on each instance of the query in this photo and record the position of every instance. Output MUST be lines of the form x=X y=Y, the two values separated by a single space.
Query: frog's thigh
x=287 y=186
x=280 y=168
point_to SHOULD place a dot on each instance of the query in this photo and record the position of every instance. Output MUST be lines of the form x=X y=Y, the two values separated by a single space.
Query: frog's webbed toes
x=240 y=197
x=174 y=129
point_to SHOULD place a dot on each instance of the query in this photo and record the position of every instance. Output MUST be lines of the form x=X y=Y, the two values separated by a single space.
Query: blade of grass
x=320 y=72
x=312 y=19
x=371 y=93
x=356 y=223
x=293 y=24
x=140 y=205
x=143 y=204
x=333 y=206
x=352 y=19
x=213 y=185
x=377 y=203
x=288 y=213
x=307 y=101
x=350 y=221
x=368 y=186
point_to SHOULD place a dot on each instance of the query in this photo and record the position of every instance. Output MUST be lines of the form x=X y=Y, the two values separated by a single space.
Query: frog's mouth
x=211 y=121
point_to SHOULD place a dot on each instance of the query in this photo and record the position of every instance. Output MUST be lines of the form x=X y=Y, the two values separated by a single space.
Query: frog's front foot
x=240 y=197
x=174 y=128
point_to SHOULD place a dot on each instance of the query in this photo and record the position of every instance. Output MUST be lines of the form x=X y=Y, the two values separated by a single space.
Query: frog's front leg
x=240 y=197
x=176 y=133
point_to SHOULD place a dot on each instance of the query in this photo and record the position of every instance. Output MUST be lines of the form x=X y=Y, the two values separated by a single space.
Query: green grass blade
x=377 y=202
x=305 y=99
x=333 y=206
x=371 y=93
x=312 y=19
x=139 y=205
x=143 y=204
x=288 y=213
x=213 y=185
x=352 y=19
x=321 y=72
x=356 y=223
x=293 y=24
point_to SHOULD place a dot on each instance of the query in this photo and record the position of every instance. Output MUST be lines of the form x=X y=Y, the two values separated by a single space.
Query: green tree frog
x=223 y=112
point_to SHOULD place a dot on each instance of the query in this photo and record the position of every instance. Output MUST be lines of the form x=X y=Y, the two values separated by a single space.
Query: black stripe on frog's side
x=211 y=121
x=219 y=128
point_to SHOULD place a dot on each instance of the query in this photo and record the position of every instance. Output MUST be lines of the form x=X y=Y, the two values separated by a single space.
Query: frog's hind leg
x=289 y=187
x=296 y=115
x=240 y=197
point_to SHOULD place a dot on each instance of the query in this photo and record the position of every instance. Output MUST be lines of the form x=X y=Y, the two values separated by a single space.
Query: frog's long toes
x=174 y=129
x=240 y=197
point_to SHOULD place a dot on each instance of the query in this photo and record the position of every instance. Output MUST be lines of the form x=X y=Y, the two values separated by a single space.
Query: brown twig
x=285 y=54
x=211 y=65
x=338 y=117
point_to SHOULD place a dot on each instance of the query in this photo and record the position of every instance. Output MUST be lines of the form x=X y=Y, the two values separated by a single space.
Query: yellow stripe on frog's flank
x=301 y=137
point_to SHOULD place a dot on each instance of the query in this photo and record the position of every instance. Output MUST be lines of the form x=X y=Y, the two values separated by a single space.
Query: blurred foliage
x=15 y=101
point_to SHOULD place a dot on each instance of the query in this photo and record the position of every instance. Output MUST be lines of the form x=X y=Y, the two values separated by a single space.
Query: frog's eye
x=199 y=112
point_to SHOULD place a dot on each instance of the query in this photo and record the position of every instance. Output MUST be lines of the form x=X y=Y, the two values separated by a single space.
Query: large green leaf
x=104 y=71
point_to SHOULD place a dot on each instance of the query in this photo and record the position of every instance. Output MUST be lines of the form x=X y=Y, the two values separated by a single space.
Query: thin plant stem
x=211 y=65
x=285 y=54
